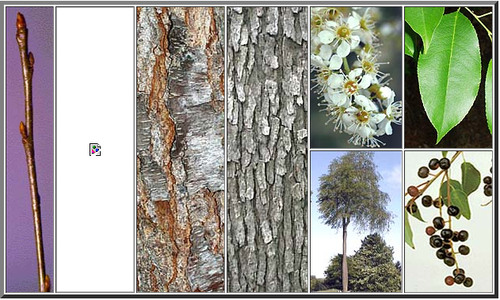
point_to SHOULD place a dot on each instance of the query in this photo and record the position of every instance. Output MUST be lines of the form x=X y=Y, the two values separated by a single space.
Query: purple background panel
x=21 y=264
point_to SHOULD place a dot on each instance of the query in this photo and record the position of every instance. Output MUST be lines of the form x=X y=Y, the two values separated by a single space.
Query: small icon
x=94 y=149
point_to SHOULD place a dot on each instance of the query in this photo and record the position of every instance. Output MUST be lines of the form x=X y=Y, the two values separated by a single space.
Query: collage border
x=227 y=4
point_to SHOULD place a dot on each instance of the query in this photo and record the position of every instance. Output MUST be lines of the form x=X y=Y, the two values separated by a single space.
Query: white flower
x=342 y=88
x=370 y=65
x=356 y=97
x=341 y=34
x=366 y=26
x=361 y=124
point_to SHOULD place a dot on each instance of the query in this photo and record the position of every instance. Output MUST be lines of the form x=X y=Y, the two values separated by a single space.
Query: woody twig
x=27 y=63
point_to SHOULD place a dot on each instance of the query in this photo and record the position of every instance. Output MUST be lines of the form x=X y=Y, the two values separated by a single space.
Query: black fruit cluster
x=488 y=185
x=440 y=237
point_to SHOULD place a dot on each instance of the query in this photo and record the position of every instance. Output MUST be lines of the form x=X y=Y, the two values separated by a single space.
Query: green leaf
x=458 y=197
x=417 y=215
x=450 y=73
x=471 y=178
x=444 y=153
x=409 y=45
x=423 y=20
x=443 y=190
x=408 y=232
x=488 y=96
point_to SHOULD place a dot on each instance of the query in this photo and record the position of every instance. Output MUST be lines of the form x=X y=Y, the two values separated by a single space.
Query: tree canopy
x=371 y=268
x=350 y=191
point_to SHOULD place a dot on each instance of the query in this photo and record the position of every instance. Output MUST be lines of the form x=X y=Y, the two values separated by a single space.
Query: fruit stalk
x=26 y=131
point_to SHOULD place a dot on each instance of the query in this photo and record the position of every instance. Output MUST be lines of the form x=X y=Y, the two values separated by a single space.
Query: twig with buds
x=27 y=63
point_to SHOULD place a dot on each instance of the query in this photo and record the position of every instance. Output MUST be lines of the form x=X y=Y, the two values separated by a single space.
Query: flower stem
x=346 y=66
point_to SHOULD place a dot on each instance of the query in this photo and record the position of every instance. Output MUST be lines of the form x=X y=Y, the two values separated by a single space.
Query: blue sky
x=327 y=242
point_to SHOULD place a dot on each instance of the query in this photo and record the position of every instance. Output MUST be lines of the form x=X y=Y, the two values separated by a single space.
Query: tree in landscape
x=371 y=268
x=317 y=284
x=350 y=192
x=333 y=274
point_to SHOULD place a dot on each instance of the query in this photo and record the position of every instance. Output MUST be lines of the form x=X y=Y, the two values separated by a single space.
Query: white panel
x=95 y=195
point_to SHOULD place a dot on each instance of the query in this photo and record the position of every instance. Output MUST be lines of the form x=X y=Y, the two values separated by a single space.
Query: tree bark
x=180 y=149
x=345 y=269
x=267 y=149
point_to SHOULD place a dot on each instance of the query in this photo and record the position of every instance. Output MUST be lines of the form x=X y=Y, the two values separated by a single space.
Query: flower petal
x=335 y=81
x=365 y=82
x=338 y=98
x=365 y=131
x=365 y=103
x=331 y=24
x=355 y=41
x=355 y=73
x=325 y=52
x=385 y=92
x=326 y=36
x=377 y=118
x=317 y=61
x=335 y=62
x=343 y=49
x=353 y=22
x=388 y=128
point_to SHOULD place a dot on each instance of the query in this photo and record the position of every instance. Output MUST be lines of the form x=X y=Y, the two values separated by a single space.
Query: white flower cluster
x=356 y=96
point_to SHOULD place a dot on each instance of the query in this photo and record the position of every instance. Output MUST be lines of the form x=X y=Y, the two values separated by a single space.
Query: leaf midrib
x=452 y=44
x=425 y=31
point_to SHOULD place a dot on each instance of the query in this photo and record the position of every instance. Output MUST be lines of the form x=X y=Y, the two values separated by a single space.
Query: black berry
x=412 y=208
x=440 y=253
x=434 y=164
x=459 y=278
x=423 y=172
x=463 y=235
x=426 y=201
x=468 y=282
x=444 y=163
x=447 y=234
x=487 y=180
x=453 y=210
x=449 y=261
x=488 y=190
x=438 y=223
x=464 y=250
x=455 y=236
x=458 y=271
x=438 y=203
x=435 y=241
x=446 y=245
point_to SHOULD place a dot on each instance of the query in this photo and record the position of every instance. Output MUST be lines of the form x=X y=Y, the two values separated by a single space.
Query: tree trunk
x=267 y=149
x=345 y=270
x=180 y=149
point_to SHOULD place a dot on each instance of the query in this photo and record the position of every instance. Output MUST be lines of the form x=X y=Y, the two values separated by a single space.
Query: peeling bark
x=267 y=149
x=180 y=149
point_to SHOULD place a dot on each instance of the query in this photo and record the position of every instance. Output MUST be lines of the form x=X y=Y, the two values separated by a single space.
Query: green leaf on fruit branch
x=471 y=178
x=408 y=232
x=458 y=197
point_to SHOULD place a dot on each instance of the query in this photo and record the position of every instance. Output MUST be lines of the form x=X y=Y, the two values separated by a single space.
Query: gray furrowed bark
x=180 y=149
x=267 y=149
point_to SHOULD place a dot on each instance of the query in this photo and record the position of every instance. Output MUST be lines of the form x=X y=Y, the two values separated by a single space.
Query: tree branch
x=26 y=131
